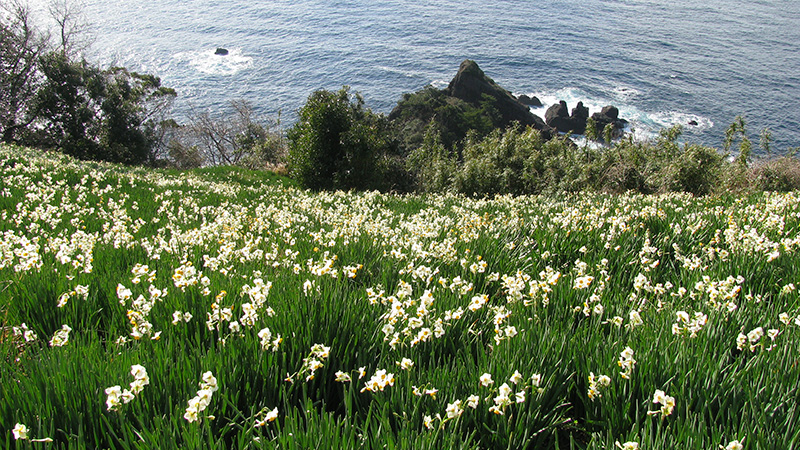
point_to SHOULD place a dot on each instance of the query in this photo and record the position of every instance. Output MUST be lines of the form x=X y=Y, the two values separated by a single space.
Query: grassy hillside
x=223 y=308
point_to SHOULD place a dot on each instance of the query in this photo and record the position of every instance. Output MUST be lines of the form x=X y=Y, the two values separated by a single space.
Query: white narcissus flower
x=733 y=445
x=486 y=380
x=454 y=409
x=342 y=377
x=114 y=398
x=659 y=396
x=20 y=431
x=61 y=337
x=139 y=372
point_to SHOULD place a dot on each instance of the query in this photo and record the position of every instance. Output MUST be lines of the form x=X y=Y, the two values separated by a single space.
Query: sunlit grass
x=384 y=315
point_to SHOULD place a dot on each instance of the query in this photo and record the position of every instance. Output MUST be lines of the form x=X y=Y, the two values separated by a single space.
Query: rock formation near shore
x=533 y=102
x=558 y=118
x=472 y=101
x=473 y=86
x=609 y=115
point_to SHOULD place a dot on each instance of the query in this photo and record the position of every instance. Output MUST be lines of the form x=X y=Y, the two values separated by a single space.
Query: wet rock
x=530 y=101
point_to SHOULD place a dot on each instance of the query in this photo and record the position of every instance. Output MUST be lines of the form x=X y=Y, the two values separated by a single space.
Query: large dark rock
x=473 y=86
x=471 y=102
x=557 y=116
x=610 y=111
x=558 y=110
x=609 y=115
x=530 y=101
x=580 y=114
x=221 y=51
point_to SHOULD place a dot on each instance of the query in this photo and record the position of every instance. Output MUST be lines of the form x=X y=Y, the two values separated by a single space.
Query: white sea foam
x=641 y=123
x=403 y=72
x=207 y=62
x=671 y=118
x=572 y=96
x=625 y=93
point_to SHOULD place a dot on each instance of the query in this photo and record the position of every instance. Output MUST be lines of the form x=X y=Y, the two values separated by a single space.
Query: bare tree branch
x=236 y=138
x=73 y=30
x=21 y=45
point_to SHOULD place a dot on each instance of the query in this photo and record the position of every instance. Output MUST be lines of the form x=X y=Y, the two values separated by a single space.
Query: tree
x=21 y=46
x=63 y=109
x=73 y=30
x=237 y=138
x=109 y=115
x=337 y=143
x=51 y=98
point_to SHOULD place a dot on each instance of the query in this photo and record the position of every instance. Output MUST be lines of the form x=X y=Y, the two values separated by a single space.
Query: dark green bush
x=337 y=143
x=90 y=113
x=432 y=166
x=453 y=117
x=696 y=170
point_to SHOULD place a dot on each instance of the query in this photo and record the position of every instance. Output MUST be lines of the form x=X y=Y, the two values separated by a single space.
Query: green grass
x=65 y=224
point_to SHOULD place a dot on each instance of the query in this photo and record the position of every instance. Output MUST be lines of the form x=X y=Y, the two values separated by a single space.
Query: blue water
x=660 y=62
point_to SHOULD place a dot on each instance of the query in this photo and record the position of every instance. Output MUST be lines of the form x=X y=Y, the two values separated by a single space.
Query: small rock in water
x=221 y=51
x=693 y=123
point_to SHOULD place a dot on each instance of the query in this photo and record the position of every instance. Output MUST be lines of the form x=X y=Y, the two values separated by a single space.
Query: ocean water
x=660 y=62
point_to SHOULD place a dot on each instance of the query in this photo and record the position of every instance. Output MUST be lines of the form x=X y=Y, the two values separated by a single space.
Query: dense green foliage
x=451 y=117
x=534 y=322
x=519 y=161
x=52 y=99
x=337 y=143
x=95 y=114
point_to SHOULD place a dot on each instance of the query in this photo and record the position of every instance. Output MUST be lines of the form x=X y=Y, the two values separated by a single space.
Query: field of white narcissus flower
x=224 y=308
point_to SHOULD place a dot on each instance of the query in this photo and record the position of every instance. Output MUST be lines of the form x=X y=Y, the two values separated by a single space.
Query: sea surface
x=660 y=62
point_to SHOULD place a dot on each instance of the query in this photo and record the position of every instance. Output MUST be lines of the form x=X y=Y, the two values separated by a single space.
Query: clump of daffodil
x=200 y=402
x=116 y=396
x=667 y=403
x=379 y=381
x=311 y=363
x=61 y=337
x=597 y=384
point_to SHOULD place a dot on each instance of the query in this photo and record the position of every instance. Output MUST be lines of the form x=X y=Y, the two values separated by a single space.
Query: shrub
x=454 y=118
x=433 y=166
x=696 y=170
x=337 y=143
x=781 y=175
x=504 y=162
